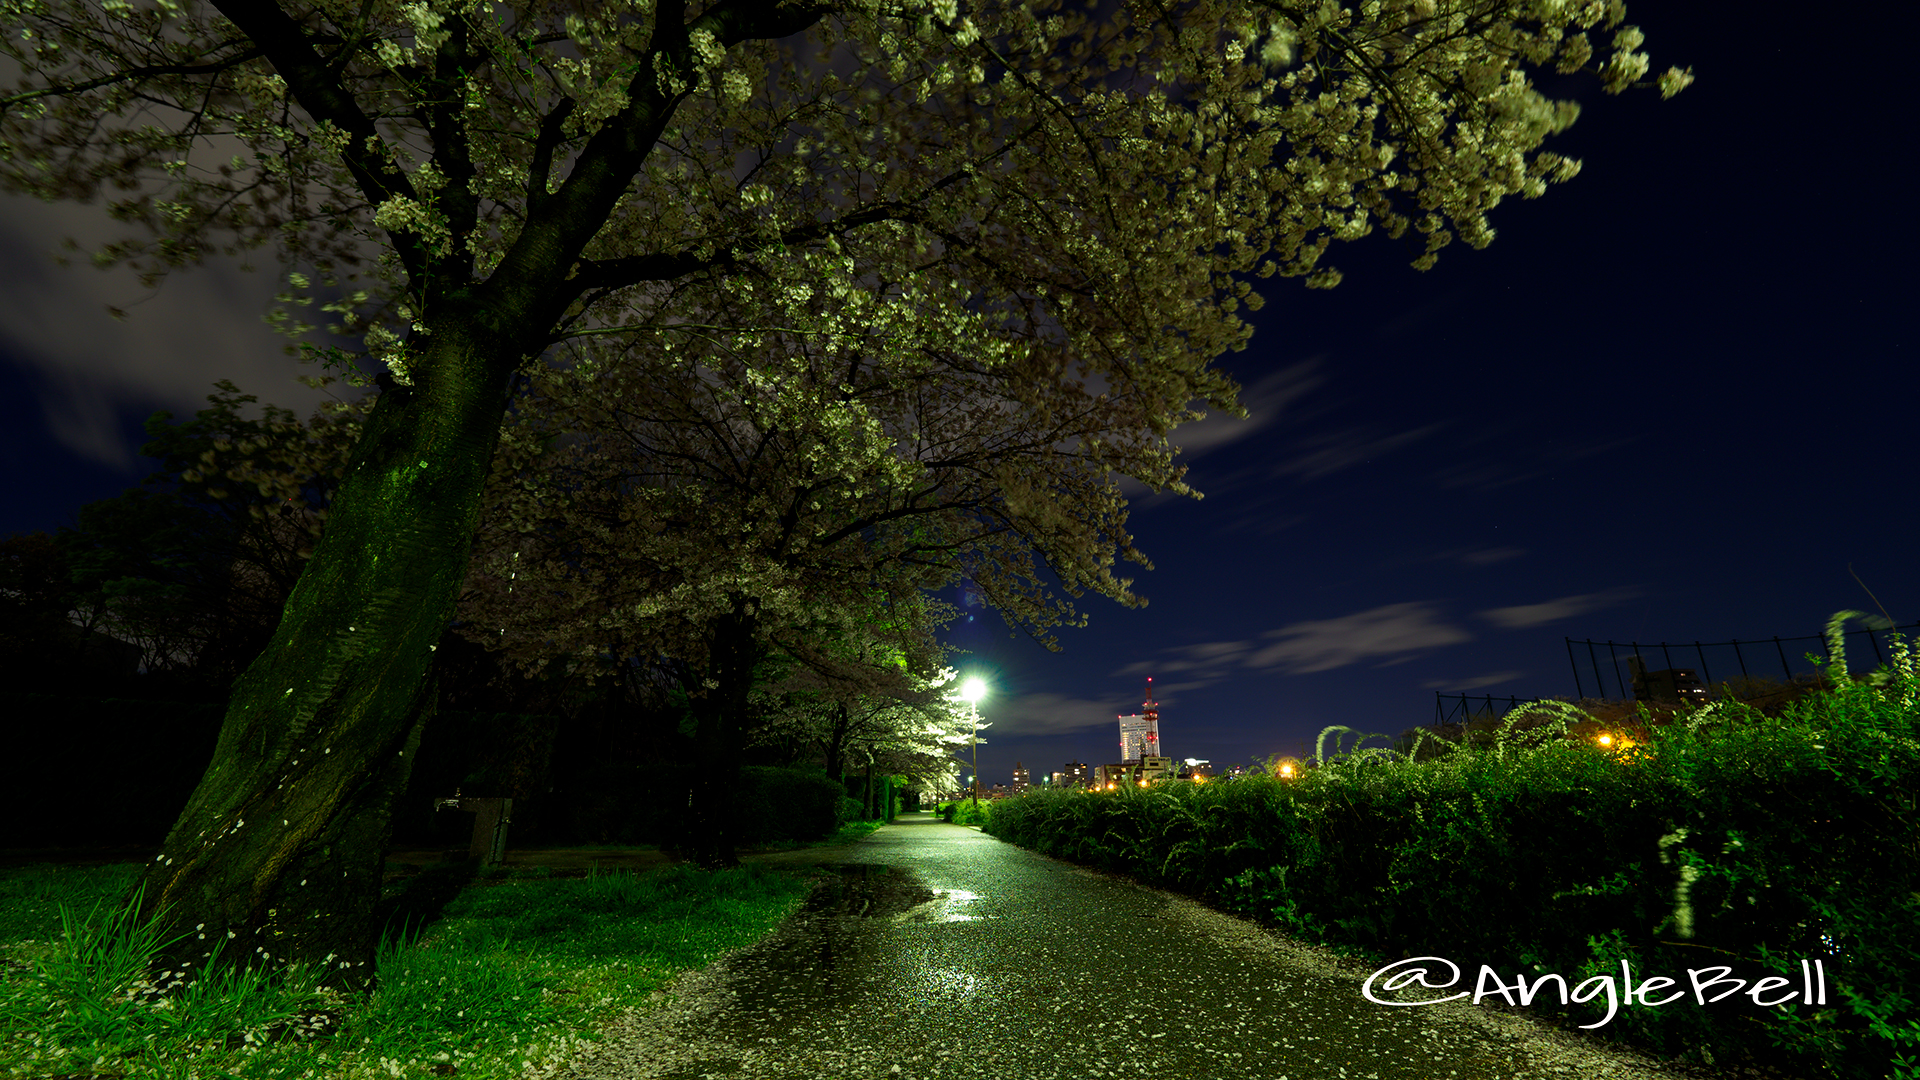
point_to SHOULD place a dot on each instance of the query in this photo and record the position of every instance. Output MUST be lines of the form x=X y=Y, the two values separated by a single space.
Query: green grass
x=509 y=981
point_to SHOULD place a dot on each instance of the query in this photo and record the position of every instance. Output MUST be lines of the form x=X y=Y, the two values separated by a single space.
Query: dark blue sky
x=1671 y=401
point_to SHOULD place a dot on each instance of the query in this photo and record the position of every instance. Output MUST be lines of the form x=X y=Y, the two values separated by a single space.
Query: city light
x=1616 y=744
x=972 y=691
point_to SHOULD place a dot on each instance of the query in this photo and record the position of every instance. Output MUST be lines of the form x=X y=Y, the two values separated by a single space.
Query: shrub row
x=1752 y=845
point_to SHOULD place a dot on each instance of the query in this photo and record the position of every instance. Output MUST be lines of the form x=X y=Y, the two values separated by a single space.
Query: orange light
x=1286 y=770
x=1606 y=740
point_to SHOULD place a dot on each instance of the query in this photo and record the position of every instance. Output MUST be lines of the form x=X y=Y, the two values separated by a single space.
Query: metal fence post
x=1699 y=648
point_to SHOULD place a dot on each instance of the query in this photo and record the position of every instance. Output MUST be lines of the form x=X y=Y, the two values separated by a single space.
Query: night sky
x=1670 y=402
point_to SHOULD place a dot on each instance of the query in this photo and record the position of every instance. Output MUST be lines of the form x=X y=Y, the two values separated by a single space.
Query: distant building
x=1019 y=778
x=1075 y=775
x=1671 y=686
x=1117 y=774
x=1140 y=733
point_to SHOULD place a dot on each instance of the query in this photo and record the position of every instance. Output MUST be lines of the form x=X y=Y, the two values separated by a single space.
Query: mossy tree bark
x=279 y=850
x=277 y=855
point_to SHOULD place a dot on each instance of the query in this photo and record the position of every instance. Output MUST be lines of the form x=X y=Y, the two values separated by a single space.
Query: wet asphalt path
x=971 y=958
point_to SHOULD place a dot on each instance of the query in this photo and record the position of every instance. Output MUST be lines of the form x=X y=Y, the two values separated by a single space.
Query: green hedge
x=1570 y=859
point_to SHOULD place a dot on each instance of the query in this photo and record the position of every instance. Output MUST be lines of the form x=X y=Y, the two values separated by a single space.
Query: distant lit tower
x=1019 y=778
x=1152 y=717
x=1140 y=733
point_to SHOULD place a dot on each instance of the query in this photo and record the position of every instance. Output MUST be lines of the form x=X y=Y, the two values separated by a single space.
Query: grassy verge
x=509 y=979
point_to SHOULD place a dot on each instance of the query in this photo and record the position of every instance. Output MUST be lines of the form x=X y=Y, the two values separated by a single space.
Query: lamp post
x=973 y=690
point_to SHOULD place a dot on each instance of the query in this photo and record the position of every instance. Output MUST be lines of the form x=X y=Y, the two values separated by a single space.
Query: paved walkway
x=984 y=961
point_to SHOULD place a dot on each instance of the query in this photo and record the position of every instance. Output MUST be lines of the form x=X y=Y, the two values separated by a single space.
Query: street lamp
x=973 y=690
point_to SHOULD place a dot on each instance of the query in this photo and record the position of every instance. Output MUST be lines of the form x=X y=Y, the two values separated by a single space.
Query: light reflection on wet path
x=1019 y=966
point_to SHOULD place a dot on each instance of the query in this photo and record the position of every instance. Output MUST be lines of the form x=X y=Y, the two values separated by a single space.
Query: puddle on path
x=865 y=890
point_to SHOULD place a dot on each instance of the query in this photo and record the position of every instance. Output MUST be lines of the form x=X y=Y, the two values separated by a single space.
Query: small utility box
x=490 y=820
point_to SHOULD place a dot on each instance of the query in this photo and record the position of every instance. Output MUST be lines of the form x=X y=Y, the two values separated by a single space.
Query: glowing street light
x=973 y=690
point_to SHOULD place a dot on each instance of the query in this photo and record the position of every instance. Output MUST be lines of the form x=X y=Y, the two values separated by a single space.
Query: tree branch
x=319 y=92
x=543 y=148
x=134 y=74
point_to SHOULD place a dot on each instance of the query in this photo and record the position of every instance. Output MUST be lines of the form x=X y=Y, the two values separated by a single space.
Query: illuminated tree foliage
x=763 y=493
x=1056 y=195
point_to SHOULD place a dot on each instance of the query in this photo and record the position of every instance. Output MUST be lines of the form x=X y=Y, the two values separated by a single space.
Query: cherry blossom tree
x=1055 y=193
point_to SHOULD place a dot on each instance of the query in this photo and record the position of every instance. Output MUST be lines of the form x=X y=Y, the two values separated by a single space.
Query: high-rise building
x=1019 y=778
x=1140 y=733
x=1074 y=775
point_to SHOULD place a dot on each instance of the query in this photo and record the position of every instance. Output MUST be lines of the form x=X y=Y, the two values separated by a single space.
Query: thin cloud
x=1045 y=714
x=1210 y=655
x=1489 y=556
x=1522 y=616
x=1506 y=468
x=202 y=324
x=1461 y=686
x=1264 y=399
x=1395 y=632
x=1347 y=449
x=1203 y=664
x=1386 y=636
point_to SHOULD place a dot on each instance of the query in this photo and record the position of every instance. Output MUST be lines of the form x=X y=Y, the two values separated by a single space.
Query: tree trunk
x=835 y=744
x=720 y=712
x=280 y=849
